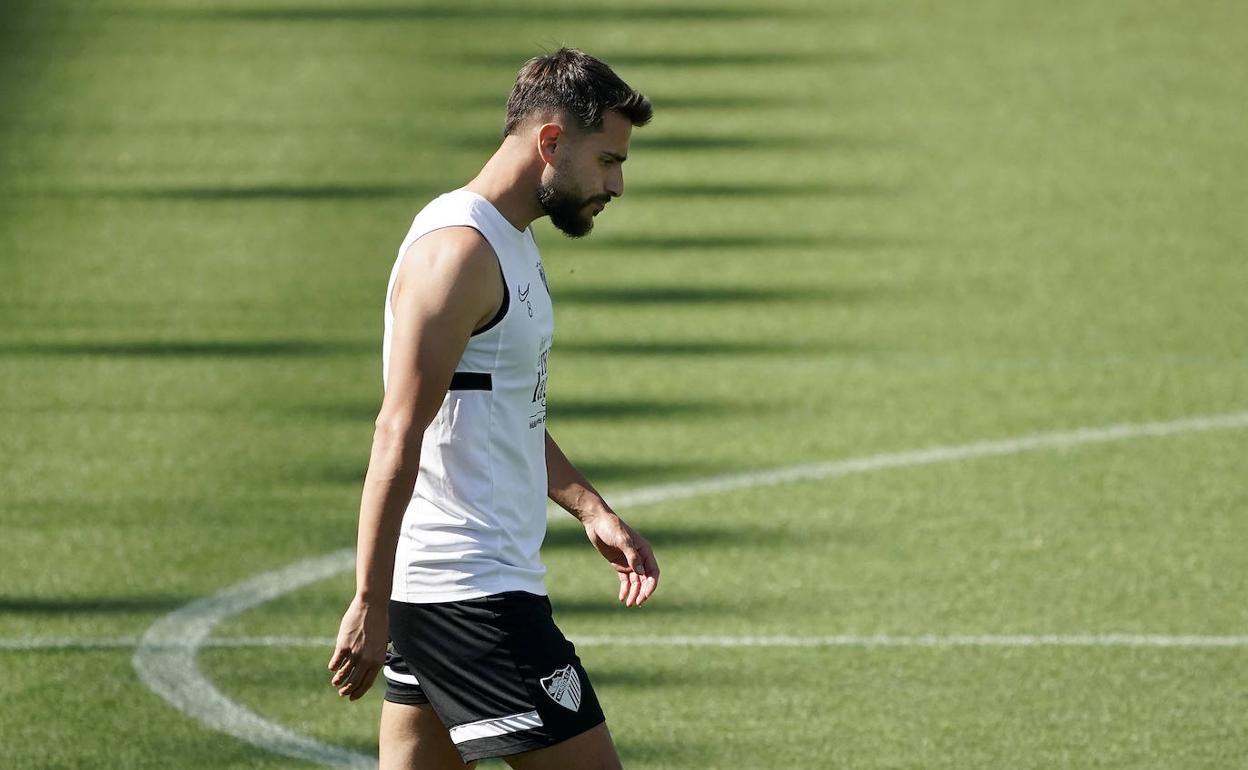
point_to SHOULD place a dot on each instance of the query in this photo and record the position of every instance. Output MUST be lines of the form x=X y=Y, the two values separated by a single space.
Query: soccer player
x=453 y=511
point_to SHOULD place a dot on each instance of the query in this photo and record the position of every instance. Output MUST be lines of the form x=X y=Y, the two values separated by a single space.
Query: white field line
x=165 y=661
x=701 y=641
x=817 y=471
x=166 y=657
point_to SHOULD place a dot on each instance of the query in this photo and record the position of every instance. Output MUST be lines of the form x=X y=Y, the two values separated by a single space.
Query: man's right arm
x=448 y=285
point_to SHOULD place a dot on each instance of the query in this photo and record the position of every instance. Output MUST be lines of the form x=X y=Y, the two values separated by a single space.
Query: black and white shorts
x=497 y=670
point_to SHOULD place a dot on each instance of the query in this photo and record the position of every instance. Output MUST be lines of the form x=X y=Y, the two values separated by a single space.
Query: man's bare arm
x=620 y=544
x=447 y=286
x=568 y=487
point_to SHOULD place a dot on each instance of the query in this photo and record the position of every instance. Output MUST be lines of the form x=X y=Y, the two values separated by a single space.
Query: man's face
x=585 y=175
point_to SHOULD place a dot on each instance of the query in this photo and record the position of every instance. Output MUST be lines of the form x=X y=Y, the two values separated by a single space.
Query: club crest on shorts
x=564 y=687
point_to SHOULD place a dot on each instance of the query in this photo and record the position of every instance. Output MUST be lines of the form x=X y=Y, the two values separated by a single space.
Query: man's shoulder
x=459 y=249
x=451 y=206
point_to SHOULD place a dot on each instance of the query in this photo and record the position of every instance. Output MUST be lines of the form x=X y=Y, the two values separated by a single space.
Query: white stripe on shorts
x=489 y=728
x=395 y=676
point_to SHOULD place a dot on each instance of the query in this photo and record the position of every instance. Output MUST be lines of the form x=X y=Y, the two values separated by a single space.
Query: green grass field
x=852 y=230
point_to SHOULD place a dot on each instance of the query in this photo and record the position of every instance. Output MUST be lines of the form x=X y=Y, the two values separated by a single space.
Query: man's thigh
x=591 y=750
x=414 y=738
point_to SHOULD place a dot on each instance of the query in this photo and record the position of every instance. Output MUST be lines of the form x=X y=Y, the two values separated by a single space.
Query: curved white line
x=166 y=657
x=165 y=661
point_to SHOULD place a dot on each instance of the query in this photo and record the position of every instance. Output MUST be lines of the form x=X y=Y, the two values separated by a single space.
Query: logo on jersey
x=564 y=688
x=524 y=297
x=539 y=390
x=542 y=273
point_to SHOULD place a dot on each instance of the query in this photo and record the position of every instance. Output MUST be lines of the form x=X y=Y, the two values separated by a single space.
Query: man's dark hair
x=576 y=83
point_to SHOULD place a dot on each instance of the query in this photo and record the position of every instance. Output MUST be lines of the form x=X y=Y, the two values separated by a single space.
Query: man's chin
x=575 y=230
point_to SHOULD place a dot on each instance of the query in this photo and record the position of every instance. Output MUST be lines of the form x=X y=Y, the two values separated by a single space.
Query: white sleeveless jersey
x=477 y=517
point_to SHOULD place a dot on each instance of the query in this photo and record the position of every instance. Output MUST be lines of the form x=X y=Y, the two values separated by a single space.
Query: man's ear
x=549 y=138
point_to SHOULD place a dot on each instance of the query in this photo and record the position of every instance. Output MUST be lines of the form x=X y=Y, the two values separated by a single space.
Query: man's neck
x=510 y=185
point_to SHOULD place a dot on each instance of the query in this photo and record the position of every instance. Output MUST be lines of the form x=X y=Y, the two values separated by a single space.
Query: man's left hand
x=628 y=552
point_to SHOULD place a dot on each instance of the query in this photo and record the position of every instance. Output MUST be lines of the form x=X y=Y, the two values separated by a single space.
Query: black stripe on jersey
x=472 y=381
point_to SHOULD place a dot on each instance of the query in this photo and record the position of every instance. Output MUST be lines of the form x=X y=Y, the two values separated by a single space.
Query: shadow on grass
x=446 y=11
x=691 y=142
x=689 y=295
x=28 y=605
x=186 y=349
x=663 y=536
x=770 y=245
x=644 y=142
x=688 y=59
x=339 y=192
x=361 y=412
x=291 y=349
x=682 y=101
x=666 y=242
x=699 y=348
x=560 y=409
x=679 y=295
x=619 y=409
x=24 y=26
x=761 y=189
x=351 y=472
x=273 y=192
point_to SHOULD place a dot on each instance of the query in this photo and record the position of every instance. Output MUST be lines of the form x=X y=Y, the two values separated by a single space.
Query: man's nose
x=615 y=185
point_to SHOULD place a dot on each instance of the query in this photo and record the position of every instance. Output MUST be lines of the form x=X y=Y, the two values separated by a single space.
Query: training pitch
x=917 y=347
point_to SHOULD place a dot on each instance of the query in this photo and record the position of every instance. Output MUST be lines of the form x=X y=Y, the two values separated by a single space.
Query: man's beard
x=566 y=210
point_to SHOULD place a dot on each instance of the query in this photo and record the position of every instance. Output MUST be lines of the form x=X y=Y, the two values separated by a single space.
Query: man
x=453 y=510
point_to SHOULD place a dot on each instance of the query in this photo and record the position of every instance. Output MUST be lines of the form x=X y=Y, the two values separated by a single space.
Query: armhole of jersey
x=502 y=308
